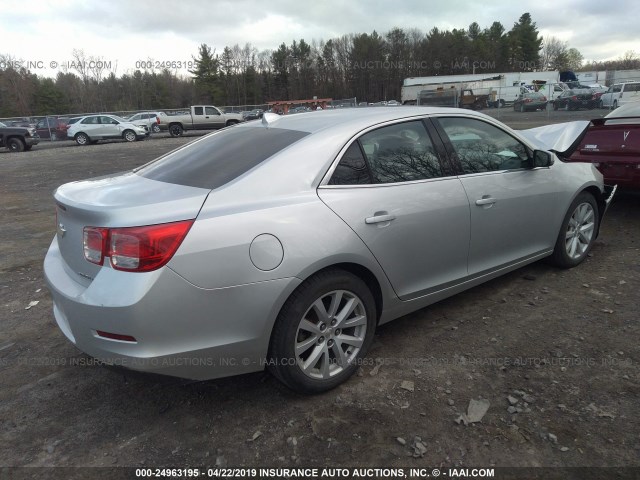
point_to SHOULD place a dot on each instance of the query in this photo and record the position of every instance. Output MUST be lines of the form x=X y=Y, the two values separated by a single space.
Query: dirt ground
x=563 y=344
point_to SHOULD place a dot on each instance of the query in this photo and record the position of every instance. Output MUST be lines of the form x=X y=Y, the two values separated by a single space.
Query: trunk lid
x=123 y=200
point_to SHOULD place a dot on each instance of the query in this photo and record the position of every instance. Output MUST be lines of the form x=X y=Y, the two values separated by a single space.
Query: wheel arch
x=600 y=200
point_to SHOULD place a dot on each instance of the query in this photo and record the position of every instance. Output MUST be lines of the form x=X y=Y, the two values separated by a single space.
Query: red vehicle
x=612 y=144
x=53 y=128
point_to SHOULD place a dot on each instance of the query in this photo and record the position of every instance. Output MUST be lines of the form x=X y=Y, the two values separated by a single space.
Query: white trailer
x=483 y=84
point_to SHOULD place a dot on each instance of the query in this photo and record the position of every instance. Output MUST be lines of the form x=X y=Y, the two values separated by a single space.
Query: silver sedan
x=283 y=244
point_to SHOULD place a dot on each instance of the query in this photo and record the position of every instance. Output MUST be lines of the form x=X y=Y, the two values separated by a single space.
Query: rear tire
x=15 y=145
x=231 y=123
x=578 y=232
x=322 y=332
x=81 y=138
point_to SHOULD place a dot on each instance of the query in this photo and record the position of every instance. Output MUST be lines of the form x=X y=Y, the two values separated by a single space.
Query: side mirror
x=542 y=159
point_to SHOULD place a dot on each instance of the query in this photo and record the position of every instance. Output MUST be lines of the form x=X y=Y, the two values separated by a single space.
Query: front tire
x=176 y=130
x=129 y=135
x=322 y=332
x=578 y=232
x=15 y=145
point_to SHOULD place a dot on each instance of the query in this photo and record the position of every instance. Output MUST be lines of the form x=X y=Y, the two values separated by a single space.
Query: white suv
x=619 y=94
x=149 y=119
x=92 y=128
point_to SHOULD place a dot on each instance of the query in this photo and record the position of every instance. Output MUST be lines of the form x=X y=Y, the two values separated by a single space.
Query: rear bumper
x=180 y=329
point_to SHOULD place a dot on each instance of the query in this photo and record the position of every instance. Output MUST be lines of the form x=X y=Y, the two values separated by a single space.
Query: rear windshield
x=220 y=158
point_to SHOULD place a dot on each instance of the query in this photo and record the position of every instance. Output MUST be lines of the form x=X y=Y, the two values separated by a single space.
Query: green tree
x=574 y=59
x=206 y=74
x=525 y=43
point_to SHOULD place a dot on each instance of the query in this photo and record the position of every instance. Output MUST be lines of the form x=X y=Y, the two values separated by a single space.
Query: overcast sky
x=122 y=31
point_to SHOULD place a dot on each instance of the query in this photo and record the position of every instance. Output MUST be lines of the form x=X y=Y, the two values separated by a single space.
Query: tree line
x=368 y=66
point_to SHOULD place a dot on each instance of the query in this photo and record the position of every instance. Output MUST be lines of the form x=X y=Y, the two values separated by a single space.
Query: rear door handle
x=486 y=200
x=379 y=219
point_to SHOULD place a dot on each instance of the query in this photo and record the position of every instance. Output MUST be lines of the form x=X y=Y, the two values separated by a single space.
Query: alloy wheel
x=330 y=334
x=580 y=230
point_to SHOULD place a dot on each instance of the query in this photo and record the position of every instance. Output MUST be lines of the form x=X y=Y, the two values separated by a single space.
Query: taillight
x=544 y=99
x=135 y=249
x=94 y=244
x=574 y=98
x=158 y=120
x=527 y=100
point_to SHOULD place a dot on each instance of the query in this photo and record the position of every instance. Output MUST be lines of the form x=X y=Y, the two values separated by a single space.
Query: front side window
x=482 y=147
x=108 y=121
x=210 y=111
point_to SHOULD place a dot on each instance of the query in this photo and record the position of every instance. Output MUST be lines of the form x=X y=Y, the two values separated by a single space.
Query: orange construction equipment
x=283 y=106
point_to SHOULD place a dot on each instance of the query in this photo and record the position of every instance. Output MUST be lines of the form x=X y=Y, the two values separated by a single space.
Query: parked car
x=18 y=139
x=575 y=99
x=284 y=243
x=93 y=128
x=150 y=120
x=530 y=101
x=53 y=128
x=200 y=117
x=619 y=94
x=255 y=114
x=299 y=110
x=612 y=144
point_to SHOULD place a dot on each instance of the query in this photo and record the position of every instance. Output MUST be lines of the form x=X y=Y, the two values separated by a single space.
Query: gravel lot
x=559 y=347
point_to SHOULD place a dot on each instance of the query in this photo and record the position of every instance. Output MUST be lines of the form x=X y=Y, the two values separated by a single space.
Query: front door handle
x=379 y=218
x=485 y=200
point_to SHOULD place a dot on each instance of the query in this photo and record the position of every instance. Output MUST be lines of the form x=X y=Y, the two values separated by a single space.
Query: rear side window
x=220 y=158
x=352 y=169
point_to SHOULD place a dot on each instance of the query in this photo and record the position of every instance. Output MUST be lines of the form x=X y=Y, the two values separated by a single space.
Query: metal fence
x=47 y=125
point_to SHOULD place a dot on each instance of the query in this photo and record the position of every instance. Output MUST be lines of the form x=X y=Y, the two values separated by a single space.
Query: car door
x=90 y=126
x=108 y=127
x=213 y=117
x=394 y=187
x=511 y=203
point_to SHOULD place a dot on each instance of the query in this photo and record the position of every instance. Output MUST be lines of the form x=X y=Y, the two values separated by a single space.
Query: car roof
x=354 y=119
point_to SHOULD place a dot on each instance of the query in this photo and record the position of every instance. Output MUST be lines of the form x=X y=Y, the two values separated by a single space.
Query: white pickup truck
x=201 y=117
